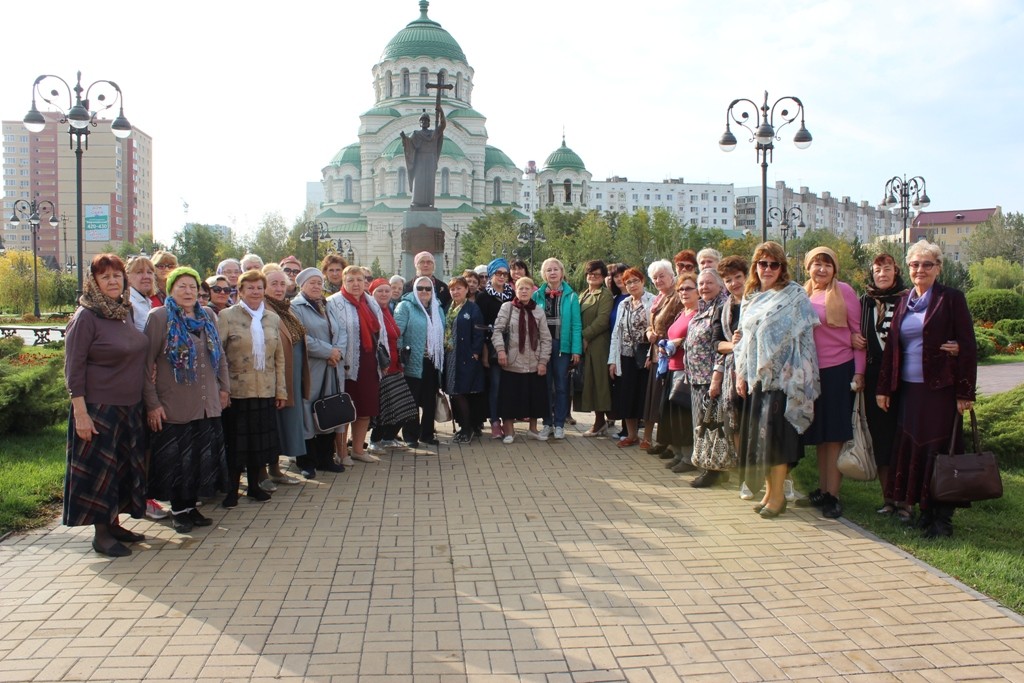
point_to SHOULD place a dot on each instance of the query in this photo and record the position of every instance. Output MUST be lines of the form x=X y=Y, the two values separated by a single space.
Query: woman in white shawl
x=421 y=321
x=777 y=368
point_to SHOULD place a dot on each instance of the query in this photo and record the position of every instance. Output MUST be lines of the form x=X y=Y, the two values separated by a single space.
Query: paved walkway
x=995 y=379
x=560 y=561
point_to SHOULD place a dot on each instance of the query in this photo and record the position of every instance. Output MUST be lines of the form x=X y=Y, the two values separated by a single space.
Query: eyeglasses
x=922 y=265
x=769 y=265
x=291 y=271
x=217 y=289
x=165 y=266
x=687 y=289
x=630 y=282
x=685 y=266
x=424 y=289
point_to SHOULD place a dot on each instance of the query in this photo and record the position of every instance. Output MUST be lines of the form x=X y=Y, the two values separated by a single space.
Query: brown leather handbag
x=966 y=477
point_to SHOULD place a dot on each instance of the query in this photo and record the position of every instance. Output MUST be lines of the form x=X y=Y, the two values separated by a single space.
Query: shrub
x=1013 y=328
x=986 y=347
x=1001 y=426
x=11 y=346
x=993 y=305
x=32 y=393
x=994 y=335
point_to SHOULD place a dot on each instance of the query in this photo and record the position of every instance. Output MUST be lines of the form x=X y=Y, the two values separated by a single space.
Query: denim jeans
x=558 y=386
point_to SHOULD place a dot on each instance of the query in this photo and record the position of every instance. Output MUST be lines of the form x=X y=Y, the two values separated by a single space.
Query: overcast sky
x=246 y=102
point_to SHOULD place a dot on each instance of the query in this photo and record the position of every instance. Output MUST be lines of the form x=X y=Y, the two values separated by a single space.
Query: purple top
x=104 y=360
x=834 y=344
x=912 y=336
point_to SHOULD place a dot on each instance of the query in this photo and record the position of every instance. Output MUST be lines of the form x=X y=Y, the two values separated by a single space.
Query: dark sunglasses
x=769 y=265
x=424 y=289
x=291 y=271
x=217 y=289
x=685 y=266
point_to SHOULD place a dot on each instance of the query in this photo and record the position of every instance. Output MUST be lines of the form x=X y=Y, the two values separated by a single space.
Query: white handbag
x=857 y=458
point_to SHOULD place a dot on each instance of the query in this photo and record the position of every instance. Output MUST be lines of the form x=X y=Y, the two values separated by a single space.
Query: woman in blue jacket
x=421 y=321
x=464 y=333
x=562 y=308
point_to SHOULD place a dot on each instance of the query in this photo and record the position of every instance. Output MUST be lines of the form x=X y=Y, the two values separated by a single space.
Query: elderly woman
x=251 y=262
x=840 y=367
x=522 y=342
x=595 y=320
x=396 y=403
x=877 y=306
x=185 y=401
x=142 y=289
x=357 y=325
x=777 y=372
x=496 y=292
x=231 y=269
x=677 y=420
x=627 y=356
x=562 y=312
x=290 y=424
x=256 y=368
x=473 y=282
x=397 y=283
x=332 y=267
x=725 y=334
x=105 y=369
x=163 y=262
x=310 y=307
x=464 y=333
x=685 y=262
x=421 y=321
x=930 y=359
x=708 y=259
x=220 y=293
x=664 y=309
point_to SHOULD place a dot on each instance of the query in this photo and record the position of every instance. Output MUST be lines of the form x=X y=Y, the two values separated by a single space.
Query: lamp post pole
x=344 y=247
x=529 y=232
x=79 y=118
x=316 y=231
x=897 y=199
x=765 y=136
x=787 y=220
x=30 y=211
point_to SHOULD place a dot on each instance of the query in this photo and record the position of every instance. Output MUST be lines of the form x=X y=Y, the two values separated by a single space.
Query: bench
x=42 y=334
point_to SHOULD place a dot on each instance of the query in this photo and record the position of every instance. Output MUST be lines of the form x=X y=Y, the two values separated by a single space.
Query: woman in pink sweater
x=841 y=368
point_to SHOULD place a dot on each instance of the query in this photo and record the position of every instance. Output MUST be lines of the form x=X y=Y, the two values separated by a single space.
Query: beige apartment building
x=950 y=229
x=117 y=189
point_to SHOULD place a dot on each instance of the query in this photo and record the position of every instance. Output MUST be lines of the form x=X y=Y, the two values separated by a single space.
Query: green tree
x=269 y=239
x=853 y=263
x=955 y=274
x=493 y=234
x=995 y=273
x=16 y=293
x=378 y=270
x=590 y=239
x=998 y=236
x=200 y=247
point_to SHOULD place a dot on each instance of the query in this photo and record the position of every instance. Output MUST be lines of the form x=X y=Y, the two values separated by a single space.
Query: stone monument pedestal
x=421 y=231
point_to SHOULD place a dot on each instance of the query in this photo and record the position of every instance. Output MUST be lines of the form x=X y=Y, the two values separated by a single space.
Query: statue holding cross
x=422 y=151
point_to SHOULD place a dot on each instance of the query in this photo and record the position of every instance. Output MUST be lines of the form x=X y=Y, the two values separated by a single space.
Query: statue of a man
x=422 y=151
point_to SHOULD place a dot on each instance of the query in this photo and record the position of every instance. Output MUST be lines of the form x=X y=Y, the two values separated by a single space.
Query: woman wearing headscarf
x=357 y=324
x=841 y=369
x=396 y=403
x=464 y=333
x=496 y=292
x=184 y=403
x=324 y=357
x=777 y=372
x=251 y=339
x=595 y=318
x=421 y=320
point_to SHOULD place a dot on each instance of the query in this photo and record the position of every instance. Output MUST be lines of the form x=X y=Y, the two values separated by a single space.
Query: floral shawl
x=776 y=349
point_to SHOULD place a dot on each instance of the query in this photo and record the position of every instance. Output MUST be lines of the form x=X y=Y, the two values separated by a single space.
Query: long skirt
x=926 y=422
x=881 y=423
x=365 y=388
x=523 y=395
x=630 y=390
x=107 y=475
x=187 y=462
x=397 y=405
x=676 y=426
x=833 y=409
x=250 y=433
x=654 y=396
x=767 y=438
x=290 y=430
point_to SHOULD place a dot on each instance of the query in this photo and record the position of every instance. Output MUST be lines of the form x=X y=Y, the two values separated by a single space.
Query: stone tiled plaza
x=558 y=561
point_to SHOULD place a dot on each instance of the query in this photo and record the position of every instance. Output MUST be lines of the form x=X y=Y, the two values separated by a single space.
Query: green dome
x=495 y=157
x=383 y=111
x=348 y=155
x=448 y=149
x=465 y=113
x=562 y=158
x=423 y=37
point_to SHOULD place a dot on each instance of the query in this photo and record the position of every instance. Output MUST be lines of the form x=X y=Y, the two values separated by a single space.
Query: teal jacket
x=572 y=325
x=413 y=326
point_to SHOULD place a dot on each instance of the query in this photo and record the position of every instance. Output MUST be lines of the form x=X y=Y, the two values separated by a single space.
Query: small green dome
x=423 y=37
x=466 y=113
x=563 y=158
x=495 y=157
x=348 y=155
x=448 y=149
x=383 y=111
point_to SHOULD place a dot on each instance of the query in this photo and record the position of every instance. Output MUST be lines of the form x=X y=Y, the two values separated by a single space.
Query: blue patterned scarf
x=181 y=348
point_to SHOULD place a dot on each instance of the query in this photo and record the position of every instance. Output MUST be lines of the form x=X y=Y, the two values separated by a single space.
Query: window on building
x=401 y=181
x=568 y=191
x=445 y=181
x=387 y=85
x=497 y=190
x=348 y=188
x=598 y=195
x=424 y=79
x=405 y=82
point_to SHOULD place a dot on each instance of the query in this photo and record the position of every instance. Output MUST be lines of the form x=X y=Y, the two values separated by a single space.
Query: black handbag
x=331 y=411
x=966 y=477
x=576 y=377
x=679 y=392
x=640 y=353
x=383 y=356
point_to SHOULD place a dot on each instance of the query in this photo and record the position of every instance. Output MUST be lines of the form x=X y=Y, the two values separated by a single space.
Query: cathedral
x=366 y=190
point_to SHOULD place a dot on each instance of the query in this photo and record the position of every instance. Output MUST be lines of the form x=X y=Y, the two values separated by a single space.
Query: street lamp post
x=30 y=211
x=344 y=247
x=316 y=231
x=529 y=232
x=79 y=117
x=765 y=136
x=897 y=199
x=788 y=220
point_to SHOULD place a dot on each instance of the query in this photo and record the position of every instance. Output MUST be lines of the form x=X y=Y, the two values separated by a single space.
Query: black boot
x=942 y=522
x=252 y=473
x=231 y=499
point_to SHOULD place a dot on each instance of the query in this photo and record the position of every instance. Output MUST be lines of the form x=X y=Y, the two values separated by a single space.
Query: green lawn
x=985 y=552
x=1003 y=359
x=31 y=487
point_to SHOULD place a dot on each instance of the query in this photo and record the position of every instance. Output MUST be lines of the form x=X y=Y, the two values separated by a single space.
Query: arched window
x=401 y=181
x=551 y=192
x=445 y=178
x=442 y=78
x=497 y=190
x=568 y=191
x=405 y=82
x=387 y=85
x=424 y=78
x=458 y=85
x=348 y=188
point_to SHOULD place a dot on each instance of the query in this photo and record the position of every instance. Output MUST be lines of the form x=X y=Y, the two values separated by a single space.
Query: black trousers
x=424 y=392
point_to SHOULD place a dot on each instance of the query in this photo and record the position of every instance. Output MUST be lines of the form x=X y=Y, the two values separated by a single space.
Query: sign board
x=97 y=222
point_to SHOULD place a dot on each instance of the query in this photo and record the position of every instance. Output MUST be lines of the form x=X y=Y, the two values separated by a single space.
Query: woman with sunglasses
x=220 y=293
x=421 y=321
x=777 y=371
x=628 y=371
x=841 y=368
x=496 y=292
x=931 y=360
x=163 y=263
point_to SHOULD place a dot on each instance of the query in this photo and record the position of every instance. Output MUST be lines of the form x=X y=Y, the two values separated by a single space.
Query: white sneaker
x=559 y=432
x=347 y=461
x=268 y=485
x=377 y=448
x=792 y=495
x=545 y=431
x=539 y=436
x=365 y=457
x=509 y=439
x=745 y=492
x=154 y=510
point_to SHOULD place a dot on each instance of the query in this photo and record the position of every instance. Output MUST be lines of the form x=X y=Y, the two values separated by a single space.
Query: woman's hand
x=84 y=427
x=542 y=369
x=225 y=399
x=611 y=370
x=715 y=390
x=951 y=347
x=279 y=403
x=736 y=337
x=575 y=359
x=858 y=341
x=858 y=382
x=883 y=403
x=155 y=418
x=651 y=336
x=502 y=359
x=741 y=387
x=964 y=405
x=334 y=358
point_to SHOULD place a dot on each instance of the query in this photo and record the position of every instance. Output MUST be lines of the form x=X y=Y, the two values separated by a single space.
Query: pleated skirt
x=187 y=461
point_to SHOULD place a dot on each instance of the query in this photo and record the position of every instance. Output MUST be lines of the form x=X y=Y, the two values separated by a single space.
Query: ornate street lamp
x=316 y=231
x=765 y=136
x=787 y=220
x=29 y=211
x=529 y=232
x=344 y=247
x=897 y=199
x=79 y=117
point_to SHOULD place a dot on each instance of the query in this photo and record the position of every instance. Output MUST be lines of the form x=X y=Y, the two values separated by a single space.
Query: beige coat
x=508 y=319
x=246 y=381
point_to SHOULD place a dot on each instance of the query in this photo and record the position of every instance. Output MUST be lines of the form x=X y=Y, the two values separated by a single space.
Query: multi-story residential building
x=950 y=229
x=708 y=205
x=117 y=188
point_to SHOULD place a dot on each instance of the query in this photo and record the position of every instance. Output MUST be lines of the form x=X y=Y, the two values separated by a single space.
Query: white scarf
x=435 y=325
x=259 y=342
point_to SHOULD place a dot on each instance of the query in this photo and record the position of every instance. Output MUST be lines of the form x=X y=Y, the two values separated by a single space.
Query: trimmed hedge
x=1001 y=426
x=32 y=391
x=1014 y=328
x=993 y=305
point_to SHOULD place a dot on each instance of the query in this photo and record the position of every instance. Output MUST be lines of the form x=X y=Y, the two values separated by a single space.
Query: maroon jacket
x=947 y=319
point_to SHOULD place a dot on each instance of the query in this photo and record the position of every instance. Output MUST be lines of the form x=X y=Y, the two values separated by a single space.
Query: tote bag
x=857 y=457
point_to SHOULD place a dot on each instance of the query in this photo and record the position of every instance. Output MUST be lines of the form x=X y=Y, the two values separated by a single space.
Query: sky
x=247 y=102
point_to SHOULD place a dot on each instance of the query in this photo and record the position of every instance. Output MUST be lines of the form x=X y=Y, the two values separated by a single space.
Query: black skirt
x=188 y=461
x=833 y=409
x=767 y=438
x=523 y=395
x=250 y=430
x=630 y=390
